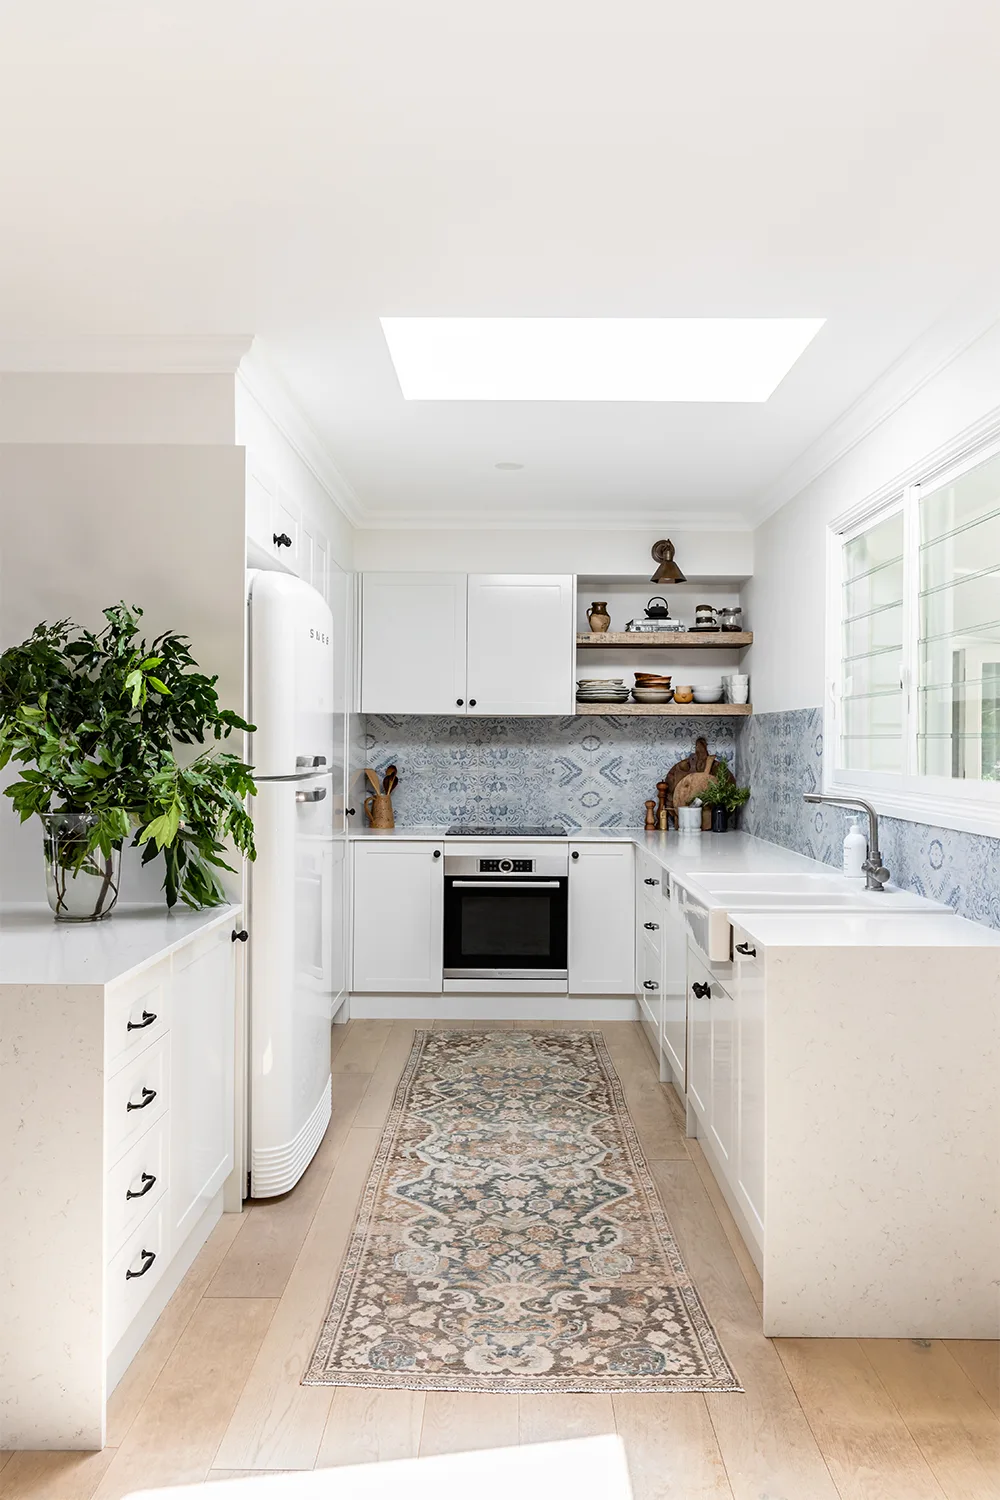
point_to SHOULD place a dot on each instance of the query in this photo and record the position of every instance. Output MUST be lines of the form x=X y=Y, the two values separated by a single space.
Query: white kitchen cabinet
x=722 y=1116
x=750 y=1082
x=673 y=942
x=648 y=962
x=202 y=1050
x=699 y=1068
x=398 y=917
x=413 y=643
x=601 y=919
x=521 y=645
x=116 y=1135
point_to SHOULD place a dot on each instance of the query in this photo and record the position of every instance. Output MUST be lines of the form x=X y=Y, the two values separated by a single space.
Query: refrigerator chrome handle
x=297 y=775
x=314 y=796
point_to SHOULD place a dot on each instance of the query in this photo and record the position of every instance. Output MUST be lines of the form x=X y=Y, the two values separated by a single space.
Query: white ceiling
x=296 y=169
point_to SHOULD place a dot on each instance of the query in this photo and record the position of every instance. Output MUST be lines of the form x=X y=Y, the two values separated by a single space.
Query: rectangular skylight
x=594 y=359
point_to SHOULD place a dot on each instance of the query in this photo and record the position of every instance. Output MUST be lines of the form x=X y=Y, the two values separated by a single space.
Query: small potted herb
x=96 y=721
x=724 y=797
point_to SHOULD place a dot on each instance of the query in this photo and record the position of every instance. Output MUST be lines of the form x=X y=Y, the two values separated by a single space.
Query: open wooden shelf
x=674 y=710
x=684 y=639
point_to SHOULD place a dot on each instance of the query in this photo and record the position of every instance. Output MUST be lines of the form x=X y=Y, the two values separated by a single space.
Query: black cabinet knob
x=651 y=926
x=746 y=948
x=575 y=854
x=650 y=984
x=472 y=702
x=239 y=935
x=701 y=991
x=281 y=539
x=437 y=853
x=350 y=812
x=459 y=702
x=649 y=881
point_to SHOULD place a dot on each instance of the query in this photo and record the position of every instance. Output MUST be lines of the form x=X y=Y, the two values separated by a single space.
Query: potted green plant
x=99 y=723
x=723 y=796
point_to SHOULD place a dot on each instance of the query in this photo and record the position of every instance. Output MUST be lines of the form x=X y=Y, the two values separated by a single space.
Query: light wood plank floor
x=215 y=1392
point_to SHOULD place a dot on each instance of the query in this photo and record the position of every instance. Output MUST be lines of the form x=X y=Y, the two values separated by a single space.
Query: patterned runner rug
x=510 y=1237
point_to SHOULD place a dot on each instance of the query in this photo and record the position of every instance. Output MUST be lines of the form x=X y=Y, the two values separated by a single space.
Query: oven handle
x=505 y=885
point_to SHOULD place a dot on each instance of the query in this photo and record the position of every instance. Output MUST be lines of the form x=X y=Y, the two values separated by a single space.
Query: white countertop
x=35 y=949
x=849 y=930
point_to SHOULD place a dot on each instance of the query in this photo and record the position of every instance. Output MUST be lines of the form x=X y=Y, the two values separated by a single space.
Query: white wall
x=119 y=408
x=700 y=554
x=785 y=600
x=87 y=525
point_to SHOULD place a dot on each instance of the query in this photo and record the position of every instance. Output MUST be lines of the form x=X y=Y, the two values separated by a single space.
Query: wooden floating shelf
x=673 y=710
x=686 y=639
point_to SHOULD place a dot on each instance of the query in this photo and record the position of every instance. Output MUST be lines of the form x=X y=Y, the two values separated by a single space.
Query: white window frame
x=942 y=801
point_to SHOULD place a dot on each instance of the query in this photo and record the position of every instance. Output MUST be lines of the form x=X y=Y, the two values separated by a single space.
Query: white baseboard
x=341 y=1010
x=494 y=1007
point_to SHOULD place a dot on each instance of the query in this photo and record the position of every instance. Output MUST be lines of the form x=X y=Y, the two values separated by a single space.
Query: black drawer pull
x=148 y=1256
x=240 y=935
x=746 y=948
x=650 y=984
x=147 y=1182
x=281 y=539
x=649 y=881
x=148 y=1095
x=701 y=991
x=148 y=1017
x=651 y=926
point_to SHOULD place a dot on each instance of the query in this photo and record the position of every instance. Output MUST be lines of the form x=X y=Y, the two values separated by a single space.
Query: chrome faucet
x=876 y=873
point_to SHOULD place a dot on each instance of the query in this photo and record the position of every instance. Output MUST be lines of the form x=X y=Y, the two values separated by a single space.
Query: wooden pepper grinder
x=662 y=821
x=650 y=817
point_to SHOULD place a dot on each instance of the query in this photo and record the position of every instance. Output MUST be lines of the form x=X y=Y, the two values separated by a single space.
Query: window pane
x=872 y=641
x=959 y=625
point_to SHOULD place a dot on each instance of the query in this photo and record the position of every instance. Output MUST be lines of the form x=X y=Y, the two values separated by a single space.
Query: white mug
x=739 y=690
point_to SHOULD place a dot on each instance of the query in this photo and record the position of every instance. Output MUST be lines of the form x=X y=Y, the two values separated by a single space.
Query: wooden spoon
x=373 y=781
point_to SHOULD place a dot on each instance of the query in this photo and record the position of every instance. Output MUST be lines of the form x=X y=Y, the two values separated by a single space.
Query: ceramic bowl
x=708 y=694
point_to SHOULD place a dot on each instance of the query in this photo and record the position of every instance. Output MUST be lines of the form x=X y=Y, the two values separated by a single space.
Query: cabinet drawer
x=137 y=1014
x=136 y=1183
x=135 y=1098
x=650 y=919
x=135 y=1271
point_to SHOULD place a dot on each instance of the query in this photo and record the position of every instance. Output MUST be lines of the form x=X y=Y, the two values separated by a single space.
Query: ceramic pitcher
x=598 y=616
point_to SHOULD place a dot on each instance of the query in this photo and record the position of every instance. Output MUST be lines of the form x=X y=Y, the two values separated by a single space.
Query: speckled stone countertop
x=35 y=949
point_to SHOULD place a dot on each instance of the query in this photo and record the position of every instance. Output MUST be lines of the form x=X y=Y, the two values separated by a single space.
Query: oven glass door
x=505 y=927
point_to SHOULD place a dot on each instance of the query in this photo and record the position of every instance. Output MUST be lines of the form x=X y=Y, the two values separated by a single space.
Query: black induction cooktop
x=470 y=831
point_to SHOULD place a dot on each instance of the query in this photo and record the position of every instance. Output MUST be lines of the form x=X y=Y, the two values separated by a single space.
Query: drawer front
x=136 y=1183
x=135 y=1098
x=134 y=1272
x=650 y=918
x=137 y=1014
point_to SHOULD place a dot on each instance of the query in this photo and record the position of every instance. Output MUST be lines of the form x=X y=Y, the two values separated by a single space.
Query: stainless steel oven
x=505 y=919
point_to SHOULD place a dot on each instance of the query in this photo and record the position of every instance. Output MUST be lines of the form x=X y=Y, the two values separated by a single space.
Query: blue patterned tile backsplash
x=781 y=756
x=585 y=772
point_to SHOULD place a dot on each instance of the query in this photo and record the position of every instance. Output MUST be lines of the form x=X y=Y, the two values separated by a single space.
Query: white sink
x=709 y=898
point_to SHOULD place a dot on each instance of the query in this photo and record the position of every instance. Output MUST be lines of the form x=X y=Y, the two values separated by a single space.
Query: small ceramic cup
x=684 y=695
x=689 y=820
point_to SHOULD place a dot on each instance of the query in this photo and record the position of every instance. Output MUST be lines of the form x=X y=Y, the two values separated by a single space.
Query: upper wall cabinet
x=445 y=643
x=413 y=638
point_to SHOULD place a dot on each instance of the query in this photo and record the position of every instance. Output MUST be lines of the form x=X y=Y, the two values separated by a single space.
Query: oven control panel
x=506 y=866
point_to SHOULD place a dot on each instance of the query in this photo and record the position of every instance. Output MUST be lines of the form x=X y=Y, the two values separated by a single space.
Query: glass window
x=872 y=717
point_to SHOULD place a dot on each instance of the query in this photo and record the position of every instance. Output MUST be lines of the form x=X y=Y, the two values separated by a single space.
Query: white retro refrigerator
x=293 y=894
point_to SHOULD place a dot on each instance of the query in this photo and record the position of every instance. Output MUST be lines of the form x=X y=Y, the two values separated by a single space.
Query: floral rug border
x=722 y=1379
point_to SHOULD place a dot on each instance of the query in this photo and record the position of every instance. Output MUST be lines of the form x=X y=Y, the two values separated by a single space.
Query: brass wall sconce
x=668 y=571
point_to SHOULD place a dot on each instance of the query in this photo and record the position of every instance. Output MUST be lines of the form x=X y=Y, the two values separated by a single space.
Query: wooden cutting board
x=692 y=785
x=699 y=761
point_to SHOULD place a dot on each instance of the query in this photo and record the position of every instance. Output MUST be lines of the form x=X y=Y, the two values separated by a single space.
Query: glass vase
x=81 y=886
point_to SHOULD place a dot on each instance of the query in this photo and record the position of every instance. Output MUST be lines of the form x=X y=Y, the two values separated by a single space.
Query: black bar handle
x=650 y=881
x=148 y=1017
x=701 y=991
x=239 y=935
x=746 y=948
x=148 y=1095
x=147 y=1182
x=650 y=984
x=651 y=926
x=148 y=1256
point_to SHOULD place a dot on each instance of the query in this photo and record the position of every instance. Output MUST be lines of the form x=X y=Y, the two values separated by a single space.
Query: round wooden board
x=690 y=787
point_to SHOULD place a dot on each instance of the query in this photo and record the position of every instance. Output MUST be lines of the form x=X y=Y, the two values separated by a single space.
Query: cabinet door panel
x=202 y=1076
x=601 y=920
x=398 y=917
x=521 y=643
x=675 y=991
x=413 y=643
x=750 y=1092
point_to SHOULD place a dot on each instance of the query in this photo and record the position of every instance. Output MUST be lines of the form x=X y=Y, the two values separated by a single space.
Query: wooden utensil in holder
x=379 y=811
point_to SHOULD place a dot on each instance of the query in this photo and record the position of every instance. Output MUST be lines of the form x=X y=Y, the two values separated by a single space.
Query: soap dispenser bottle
x=855 y=851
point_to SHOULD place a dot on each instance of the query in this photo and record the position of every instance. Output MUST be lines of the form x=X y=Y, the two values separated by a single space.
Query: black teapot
x=657 y=608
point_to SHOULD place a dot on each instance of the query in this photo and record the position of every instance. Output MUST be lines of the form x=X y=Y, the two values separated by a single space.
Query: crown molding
x=263 y=383
x=534 y=521
x=926 y=358
x=99 y=354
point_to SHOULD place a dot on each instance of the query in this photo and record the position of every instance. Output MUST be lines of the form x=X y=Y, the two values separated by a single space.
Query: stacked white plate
x=601 y=690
